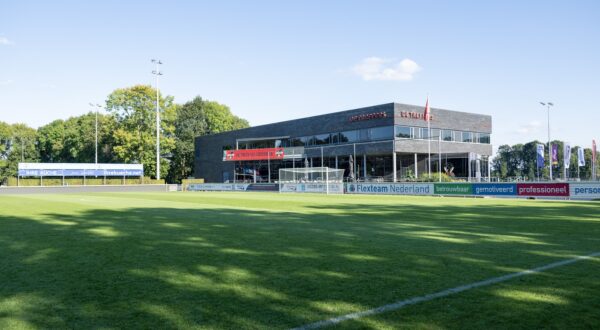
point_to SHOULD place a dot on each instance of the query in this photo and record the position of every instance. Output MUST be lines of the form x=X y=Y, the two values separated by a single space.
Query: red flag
x=427 y=113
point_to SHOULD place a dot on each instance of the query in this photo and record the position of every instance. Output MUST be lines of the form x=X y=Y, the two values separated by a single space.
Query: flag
x=567 y=155
x=427 y=113
x=540 y=155
x=593 y=151
x=580 y=157
x=555 y=154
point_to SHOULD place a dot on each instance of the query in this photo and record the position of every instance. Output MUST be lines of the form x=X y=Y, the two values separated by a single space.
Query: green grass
x=261 y=260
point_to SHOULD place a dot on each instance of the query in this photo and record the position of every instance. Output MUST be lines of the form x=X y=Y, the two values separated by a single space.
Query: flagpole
x=440 y=154
x=428 y=118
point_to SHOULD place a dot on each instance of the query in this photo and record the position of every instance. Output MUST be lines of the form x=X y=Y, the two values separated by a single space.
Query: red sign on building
x=543 y=189
x=253 y=154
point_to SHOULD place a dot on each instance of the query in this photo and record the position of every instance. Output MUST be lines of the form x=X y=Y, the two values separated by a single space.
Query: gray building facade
x=388 y=142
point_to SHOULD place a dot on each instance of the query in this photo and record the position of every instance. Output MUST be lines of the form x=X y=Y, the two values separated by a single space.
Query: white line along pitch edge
x=440 y=294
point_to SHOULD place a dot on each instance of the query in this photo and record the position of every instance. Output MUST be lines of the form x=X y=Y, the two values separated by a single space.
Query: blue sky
x=279 y=60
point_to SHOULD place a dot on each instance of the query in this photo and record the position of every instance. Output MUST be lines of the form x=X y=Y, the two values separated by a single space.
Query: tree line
x=519 y=161
x=126 y=134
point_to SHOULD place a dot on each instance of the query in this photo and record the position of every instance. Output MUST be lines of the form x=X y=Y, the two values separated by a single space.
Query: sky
x=271 y=61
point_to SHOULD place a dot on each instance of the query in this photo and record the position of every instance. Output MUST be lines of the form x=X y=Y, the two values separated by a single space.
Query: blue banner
x=494 y=189
x=540 y=155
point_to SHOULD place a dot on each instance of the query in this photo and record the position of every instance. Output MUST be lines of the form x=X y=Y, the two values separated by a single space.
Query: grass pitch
x=261 y=260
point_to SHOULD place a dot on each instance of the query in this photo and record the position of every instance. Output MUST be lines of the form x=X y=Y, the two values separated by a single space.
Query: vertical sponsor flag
x=580 y=157
x=427 y=113
x=567 y=155
x=594 y=151
x=540 y=155
x=555 y=154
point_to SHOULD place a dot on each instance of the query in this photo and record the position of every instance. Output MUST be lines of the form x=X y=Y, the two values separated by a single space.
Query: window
x=447 y=135
x=435 y=133
x=403 y=132
x=363 y=134
x=349 y=136
x=458 y=136
x=296 y=142
x=467 y=137
x=382 y=133
x=416 y=132
x=335 y=138
x=321 y=139
x=424 y=133
x=484 y=138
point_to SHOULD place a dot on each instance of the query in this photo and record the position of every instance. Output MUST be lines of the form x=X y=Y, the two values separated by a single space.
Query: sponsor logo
x=368 y=116
x=543 y=189
x=500 y=189
x=391 y=188
x=585 y=190
x=415 y=115
x=453 y=188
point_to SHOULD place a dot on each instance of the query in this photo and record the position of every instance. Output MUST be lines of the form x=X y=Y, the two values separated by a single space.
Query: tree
x=73 y=140
x=19 y=145
x=196 y=118
x=134 y=109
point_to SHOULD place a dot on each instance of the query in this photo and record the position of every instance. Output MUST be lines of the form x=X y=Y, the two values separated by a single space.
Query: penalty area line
x=415 y=300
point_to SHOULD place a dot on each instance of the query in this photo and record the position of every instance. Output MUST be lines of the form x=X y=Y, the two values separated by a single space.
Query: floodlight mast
x=157 y=73
x=548 y=105
x=96 y=144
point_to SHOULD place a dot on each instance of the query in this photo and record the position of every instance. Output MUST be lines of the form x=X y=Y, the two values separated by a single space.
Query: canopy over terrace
x=83 y=170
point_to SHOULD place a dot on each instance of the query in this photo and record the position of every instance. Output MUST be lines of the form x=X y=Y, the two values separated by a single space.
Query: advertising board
x=334 y=188
x=390 y=188
x=584 y=190
x=453 y=189
x=543 y=189
x=494 y=189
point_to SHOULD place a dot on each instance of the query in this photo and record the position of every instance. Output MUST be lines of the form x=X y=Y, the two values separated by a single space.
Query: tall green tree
x=18 y=145
x=134 y=109
x=196 y=118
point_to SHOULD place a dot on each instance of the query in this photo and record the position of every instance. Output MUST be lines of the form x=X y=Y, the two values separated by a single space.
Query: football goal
x=311 y=180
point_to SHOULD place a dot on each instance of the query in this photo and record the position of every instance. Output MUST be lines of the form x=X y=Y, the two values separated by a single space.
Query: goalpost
x=311 y=180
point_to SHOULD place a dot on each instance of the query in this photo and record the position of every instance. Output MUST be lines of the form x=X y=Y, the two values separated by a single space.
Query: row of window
x=371 y=134
x=407 y=132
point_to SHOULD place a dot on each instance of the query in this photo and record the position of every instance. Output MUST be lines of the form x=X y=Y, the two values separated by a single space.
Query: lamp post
x=96 y=107
x=157 y=73
x=548 y=105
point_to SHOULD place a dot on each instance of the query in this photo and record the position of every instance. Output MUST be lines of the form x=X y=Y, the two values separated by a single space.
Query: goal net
x=311 y=180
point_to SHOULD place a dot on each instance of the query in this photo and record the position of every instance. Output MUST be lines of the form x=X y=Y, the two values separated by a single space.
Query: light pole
x=96 y=144
x=157 y=73
x=548 y=105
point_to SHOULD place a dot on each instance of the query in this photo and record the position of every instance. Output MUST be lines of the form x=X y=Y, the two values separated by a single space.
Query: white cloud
x=376 y=68
x=532 y=127
x=5 y=42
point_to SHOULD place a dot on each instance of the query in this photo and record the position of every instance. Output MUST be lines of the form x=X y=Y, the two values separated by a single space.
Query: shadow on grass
x=231 y=268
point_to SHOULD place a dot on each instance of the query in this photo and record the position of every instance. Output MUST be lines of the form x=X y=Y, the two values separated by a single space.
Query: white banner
x=390 y=188
x=584 y=190
x=334 y=188
x=580 y=157
x=567 y=155
x=217 y=187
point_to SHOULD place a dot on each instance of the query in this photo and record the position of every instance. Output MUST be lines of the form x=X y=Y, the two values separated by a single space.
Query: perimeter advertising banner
x=253 y=154
x=390 y=188
x=495 y=189
x=453 y=189
x=585 y=190
x=334 y=188
x=543 y=189
x=217 y=187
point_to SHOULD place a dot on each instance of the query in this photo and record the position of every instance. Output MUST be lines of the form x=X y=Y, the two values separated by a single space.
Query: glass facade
x=371 y=134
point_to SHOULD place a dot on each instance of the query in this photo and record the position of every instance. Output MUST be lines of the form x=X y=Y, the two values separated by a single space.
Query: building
x=387 y=142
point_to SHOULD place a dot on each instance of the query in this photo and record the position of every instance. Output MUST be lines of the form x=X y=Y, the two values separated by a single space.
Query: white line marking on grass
x=440 y=294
